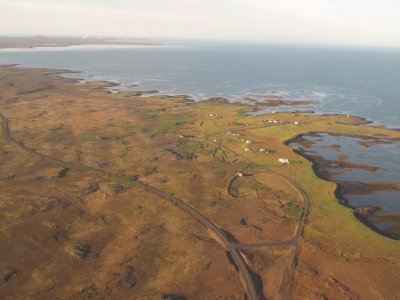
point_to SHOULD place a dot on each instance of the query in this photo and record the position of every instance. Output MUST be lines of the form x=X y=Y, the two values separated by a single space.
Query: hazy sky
x=364 y=22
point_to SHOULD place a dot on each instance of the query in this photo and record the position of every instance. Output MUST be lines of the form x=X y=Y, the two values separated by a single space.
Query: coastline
x=340 y=190
x=257 y=106
x=29 y=43
x=122 y=137
x=79 y=47
x=165 y=75
x=111 y=87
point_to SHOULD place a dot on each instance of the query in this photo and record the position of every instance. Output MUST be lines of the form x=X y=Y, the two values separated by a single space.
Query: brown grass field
x=76 y=223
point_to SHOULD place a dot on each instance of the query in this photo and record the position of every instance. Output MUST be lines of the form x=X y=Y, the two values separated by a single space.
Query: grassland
x=93 y=233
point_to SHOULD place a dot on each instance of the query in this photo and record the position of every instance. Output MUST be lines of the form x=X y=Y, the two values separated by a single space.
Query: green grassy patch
x=110 y=137
x=165 y=123
x=257 y=186
x=219 y=154
x=182 y=154
x=88 y=137
x=242 y=112
x=210 y=203
x=250 y=165
x=263 y=220
x=118 y=188
x=219 y=173
x=104 y=137
x=150 y=170
x=127 y=126
x=53 y=138
x=292 y=209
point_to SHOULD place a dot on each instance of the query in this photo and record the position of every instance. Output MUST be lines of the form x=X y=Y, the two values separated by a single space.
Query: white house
x=284 y=161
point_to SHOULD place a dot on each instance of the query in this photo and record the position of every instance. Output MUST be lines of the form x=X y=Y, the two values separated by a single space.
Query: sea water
x=360 y=81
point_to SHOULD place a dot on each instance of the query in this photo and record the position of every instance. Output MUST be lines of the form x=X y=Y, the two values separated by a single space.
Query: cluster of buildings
x=232 y=133
x=247 y=141
x=262 y=150
x=272 y=121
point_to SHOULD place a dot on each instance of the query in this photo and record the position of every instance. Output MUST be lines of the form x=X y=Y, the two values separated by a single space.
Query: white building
x=284 y=161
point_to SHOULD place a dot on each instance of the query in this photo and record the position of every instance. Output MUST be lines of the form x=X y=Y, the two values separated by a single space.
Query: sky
x=343 y=22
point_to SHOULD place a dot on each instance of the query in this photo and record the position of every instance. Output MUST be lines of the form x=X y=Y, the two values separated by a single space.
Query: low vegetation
x=293 y=210
x=135 y=236
x=150 y=170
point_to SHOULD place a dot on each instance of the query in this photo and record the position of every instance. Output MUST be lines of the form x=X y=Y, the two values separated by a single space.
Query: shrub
x=150 y=170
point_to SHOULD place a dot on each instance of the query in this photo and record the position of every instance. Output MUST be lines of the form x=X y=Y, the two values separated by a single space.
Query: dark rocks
x=163 y=179
x=83 y=251
x=118 y=188
x=62 y=173
x=10 y=177
x=10 y=274
x=56 y=203
x=130 y=279
x=127 y=279
x=92 y=189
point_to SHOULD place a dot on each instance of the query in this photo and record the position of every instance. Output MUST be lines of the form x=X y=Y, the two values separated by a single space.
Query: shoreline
x=194 y=98
x=257 y=106
x=32 y=42
x=120 y=147
x=339 y=189
x=78 y=47
x=108 y=85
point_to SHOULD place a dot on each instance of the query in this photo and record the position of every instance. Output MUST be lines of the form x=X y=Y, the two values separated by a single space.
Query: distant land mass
x=45 y=41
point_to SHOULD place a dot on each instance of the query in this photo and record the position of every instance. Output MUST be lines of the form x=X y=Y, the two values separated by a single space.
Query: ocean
x=360 y=81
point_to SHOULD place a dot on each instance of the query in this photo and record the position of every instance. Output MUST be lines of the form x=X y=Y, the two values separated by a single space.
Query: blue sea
x=360 y=81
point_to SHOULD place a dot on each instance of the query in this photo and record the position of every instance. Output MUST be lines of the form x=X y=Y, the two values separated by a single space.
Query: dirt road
x=231 y=246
